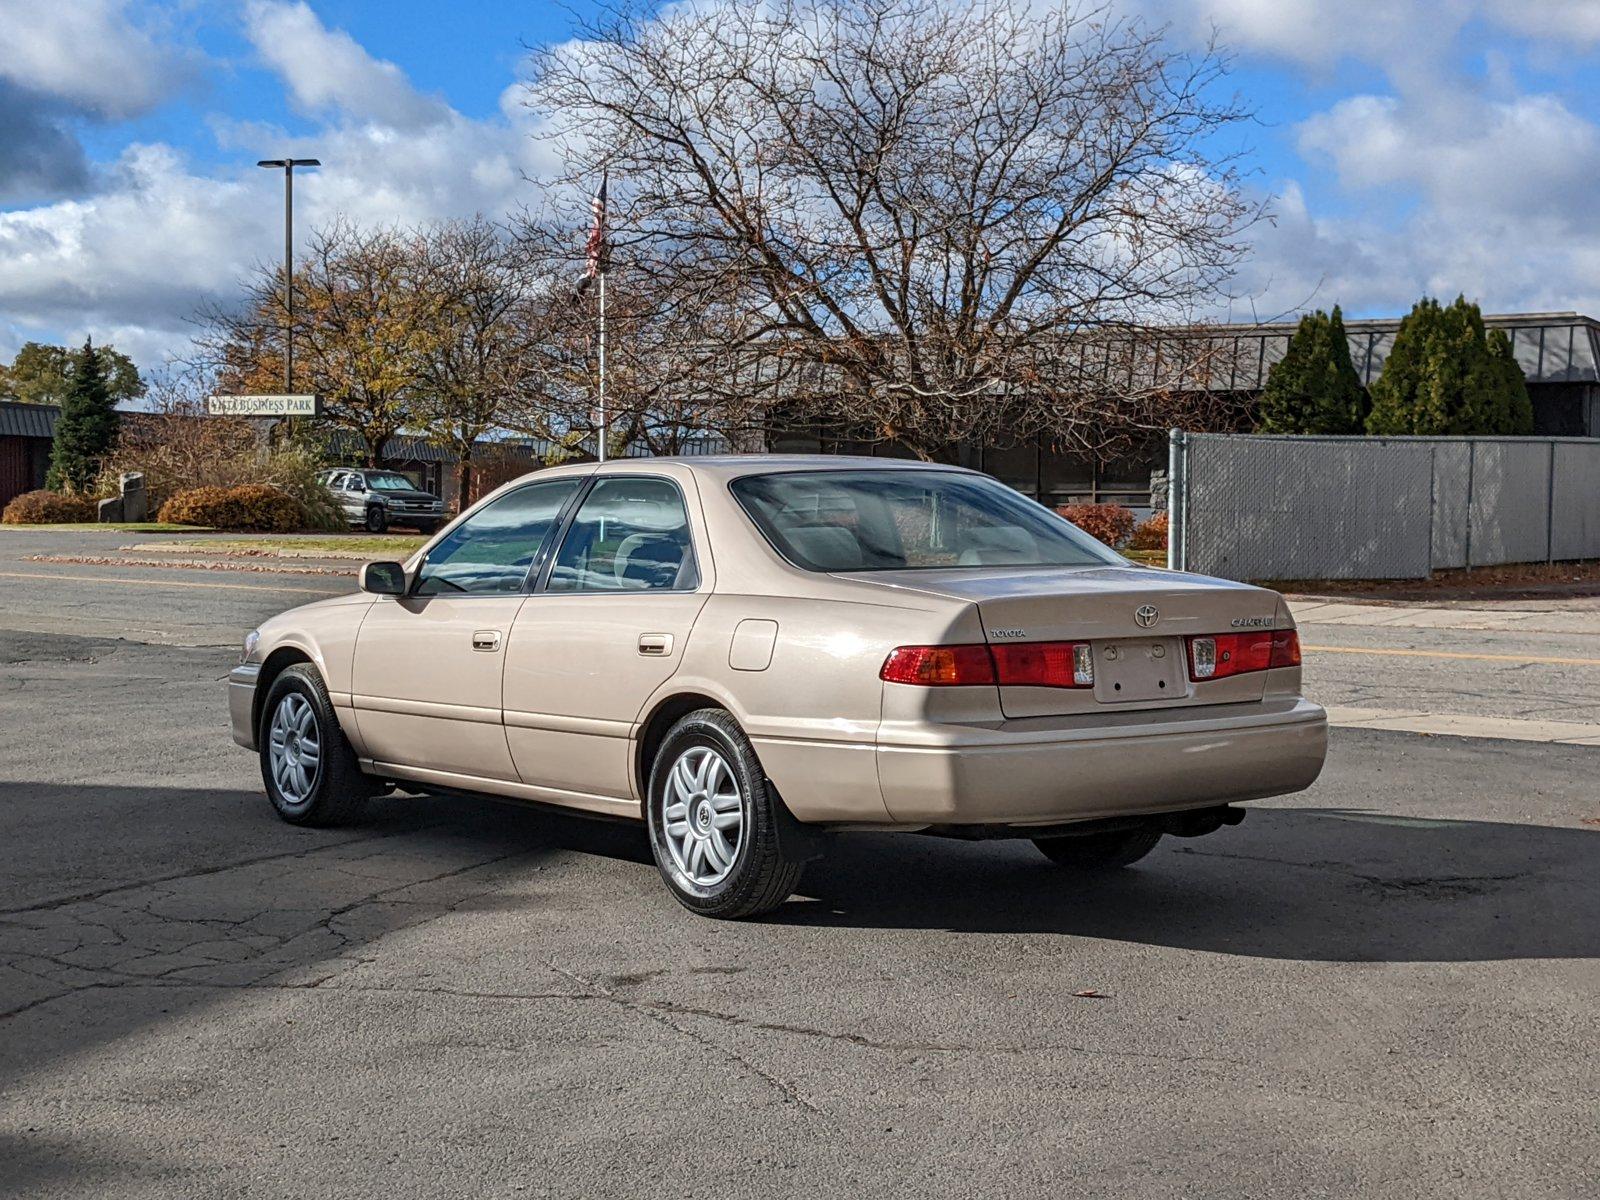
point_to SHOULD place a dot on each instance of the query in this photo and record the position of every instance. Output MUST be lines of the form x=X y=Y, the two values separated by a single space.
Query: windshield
x=900 y=520
x=389 y=481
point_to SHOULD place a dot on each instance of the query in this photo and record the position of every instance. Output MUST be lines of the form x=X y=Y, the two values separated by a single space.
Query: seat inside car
x=999 y=546
x=653 y=560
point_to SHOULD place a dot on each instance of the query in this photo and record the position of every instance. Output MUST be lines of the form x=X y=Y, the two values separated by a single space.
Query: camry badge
x=1146 y=615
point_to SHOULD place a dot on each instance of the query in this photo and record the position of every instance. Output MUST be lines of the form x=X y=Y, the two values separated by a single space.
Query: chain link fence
x=1262 y=506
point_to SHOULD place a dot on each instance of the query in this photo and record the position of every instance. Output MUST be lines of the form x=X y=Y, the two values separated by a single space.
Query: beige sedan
x=752 y=654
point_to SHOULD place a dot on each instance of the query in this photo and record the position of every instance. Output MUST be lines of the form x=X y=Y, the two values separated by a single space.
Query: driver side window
x=492 y=550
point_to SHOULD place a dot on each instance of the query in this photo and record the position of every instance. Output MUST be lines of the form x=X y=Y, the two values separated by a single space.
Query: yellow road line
x=183 y=583
x=1397 y=653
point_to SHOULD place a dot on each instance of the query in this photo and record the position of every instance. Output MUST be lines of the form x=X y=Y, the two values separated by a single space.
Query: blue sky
x=1408 y=145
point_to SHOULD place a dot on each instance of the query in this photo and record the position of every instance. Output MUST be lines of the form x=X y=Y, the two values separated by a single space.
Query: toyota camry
x=753 y=655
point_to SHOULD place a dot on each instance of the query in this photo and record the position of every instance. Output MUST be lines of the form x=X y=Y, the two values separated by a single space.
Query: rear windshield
x=902 y=520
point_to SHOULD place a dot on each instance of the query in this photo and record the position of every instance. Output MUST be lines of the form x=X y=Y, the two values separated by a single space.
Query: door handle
x=487 y=640
x=655 y=645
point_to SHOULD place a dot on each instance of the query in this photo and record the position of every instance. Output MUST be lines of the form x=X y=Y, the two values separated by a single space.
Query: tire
x=377 y=518
x=726 y=878
x=332 y=790
x=1099 y=851
x=427 y=528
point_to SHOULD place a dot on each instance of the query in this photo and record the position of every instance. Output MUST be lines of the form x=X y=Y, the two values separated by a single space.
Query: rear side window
x=493 y=549
x=629 y=535
x=901 y=520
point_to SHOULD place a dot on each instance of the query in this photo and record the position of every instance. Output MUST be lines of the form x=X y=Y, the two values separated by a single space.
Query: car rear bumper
x=1048 y=771
x=242 y=703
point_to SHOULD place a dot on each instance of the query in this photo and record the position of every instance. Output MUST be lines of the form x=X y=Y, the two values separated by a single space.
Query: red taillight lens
x=1221 y=655
x=1285 y=649
x=939 y=666
x=1044 y=664
x=1018 y=664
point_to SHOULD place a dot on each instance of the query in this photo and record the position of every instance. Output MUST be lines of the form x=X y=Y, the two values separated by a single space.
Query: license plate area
x=1131 y=670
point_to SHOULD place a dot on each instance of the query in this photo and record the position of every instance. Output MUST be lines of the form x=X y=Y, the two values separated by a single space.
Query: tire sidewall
x=686 y=736
x=292 y=681
x=377 y=520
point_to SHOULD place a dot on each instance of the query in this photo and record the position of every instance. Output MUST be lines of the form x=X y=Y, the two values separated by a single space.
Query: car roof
x=731 y=466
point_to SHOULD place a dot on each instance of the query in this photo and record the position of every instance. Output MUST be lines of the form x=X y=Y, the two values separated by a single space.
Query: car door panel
x=424 y=696
x=428 y=666
x=608 y=626
x=576 y=683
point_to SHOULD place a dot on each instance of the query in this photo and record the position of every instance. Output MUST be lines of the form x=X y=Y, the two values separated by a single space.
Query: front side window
x=493 y=549
x=909 y=520
x=629 y=535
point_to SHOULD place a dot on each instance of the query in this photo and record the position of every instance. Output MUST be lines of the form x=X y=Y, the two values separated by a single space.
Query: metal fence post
x=1550 y=509
x=1177 y=499
x=1472 y=463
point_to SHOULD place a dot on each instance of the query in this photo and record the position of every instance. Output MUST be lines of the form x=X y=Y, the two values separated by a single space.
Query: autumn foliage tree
x=360 y=330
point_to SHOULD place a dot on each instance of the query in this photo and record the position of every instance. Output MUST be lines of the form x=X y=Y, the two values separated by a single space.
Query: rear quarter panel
x=813 y=713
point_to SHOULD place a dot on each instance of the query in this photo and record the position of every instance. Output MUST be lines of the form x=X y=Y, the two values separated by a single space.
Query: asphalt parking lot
x=1384 y=986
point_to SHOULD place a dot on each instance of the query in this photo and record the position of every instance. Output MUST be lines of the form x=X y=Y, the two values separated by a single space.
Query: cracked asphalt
x=1386 y=986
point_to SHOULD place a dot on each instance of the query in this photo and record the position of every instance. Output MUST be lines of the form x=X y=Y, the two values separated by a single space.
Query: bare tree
x=479 y=353
x=921 y=210
x=670 y=376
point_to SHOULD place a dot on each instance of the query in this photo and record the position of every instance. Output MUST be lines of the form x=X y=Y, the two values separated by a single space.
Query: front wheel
x=1099 y=851
x=377 y=518
x=310 y=770
x=713 y=821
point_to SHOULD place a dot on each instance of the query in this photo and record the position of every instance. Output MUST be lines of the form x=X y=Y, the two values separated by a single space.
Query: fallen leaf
x=1091 y=994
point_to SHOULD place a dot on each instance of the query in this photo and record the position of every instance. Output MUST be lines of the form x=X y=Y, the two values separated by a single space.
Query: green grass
x=118 y=527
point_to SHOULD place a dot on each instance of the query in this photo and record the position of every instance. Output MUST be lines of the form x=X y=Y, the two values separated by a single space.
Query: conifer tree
x=1314 y=388
x=87 y=429
x=1447 y=375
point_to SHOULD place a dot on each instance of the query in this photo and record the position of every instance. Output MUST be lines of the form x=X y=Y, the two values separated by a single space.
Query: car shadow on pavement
x=1314 y=884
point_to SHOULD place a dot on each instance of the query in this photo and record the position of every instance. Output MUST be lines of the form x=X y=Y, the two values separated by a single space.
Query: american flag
x=595 y=250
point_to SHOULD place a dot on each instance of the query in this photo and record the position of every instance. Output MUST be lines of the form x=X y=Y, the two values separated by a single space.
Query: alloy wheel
x=295 y=748
x=704 y=816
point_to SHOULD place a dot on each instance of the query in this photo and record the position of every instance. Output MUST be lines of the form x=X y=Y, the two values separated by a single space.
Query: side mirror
x=383 y=578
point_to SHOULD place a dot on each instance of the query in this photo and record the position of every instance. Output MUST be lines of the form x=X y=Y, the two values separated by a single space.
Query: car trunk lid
x=1135 y=620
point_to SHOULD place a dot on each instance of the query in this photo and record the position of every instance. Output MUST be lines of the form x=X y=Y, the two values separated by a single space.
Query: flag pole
x=602 y=447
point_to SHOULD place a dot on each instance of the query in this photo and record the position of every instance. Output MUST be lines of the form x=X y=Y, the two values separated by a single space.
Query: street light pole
x=288 y=165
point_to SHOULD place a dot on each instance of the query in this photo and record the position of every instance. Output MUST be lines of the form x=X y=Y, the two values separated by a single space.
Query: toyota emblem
x=1146 y=615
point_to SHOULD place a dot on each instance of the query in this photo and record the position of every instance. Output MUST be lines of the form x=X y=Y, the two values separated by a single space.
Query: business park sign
x=263 y=406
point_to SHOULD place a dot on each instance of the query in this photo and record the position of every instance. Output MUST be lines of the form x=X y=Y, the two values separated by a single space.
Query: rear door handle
x=487 y=640
x=656 y=645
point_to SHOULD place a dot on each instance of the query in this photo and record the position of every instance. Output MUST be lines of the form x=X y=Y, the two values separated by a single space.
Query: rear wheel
x=310 y=770
x=1099 y=851
x=377 y=518
x=713 y=821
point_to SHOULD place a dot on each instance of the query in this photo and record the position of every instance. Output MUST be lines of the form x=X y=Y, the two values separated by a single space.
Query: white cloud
x=89 y=54
x=327 y=70
x=160 y=238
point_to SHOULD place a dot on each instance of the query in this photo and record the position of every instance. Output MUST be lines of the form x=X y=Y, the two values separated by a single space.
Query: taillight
x=1285 y=649
x=1221 y=655
x=1016 y=664
x=939 y=666
x=1044 y=664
